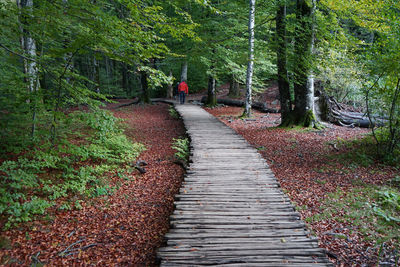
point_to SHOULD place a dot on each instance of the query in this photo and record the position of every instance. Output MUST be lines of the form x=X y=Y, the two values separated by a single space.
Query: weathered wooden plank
x=172 y=234
x=243 y=226
x=242 y=263
x=241 y=246
x=234 y=198
x=193 y=254
x=237 y=241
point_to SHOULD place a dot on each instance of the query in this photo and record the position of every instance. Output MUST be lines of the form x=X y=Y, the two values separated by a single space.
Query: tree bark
x=31 y=71
x=184 y=69
x=145 y=98
x=249 y=77
x=212 y=94
x=304 y=82
x=29 y=47
x=170 y=92
x=234 y=89
x=96 y=73
x=283 y=81
x=125 y=79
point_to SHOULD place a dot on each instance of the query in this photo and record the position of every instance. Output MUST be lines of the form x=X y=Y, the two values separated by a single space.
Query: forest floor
x=124 y=228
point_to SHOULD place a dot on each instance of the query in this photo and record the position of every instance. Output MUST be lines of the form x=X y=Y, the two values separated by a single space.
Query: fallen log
x=328 y=109
x=240 y=103
x=134 y=102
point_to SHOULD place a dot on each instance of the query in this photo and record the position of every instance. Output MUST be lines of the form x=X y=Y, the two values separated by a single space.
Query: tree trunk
x=184 y=69
x=145 y=98
x=234 y=89
x=283 y=81
x=212 y=94
x=96 y=73
x=170 y=92
x=249 y=77
x=29 y=47
x=304 y=82
x=30 y=67
x=125 y=79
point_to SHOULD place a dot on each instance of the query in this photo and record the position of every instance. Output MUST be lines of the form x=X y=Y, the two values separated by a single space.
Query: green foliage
x=49 y=175
x=372 y=29
x=373 y=211
x=181 y=145
x=173 y=113
x=358 y=152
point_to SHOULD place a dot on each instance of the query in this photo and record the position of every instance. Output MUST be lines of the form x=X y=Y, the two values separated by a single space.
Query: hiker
x=183 y=90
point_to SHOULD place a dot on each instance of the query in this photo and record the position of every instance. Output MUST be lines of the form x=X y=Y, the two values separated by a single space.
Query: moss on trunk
x=308 y=119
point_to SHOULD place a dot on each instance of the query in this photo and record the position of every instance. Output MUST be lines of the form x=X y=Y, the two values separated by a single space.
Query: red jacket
x=183 y=87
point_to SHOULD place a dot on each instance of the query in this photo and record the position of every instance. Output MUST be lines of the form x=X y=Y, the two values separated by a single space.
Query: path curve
x=230 y=210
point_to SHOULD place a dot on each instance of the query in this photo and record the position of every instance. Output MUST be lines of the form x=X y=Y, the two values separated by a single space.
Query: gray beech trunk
x=184 y=69
x=249 y=77
x=212 y=93
x=283 y=81
x=96 y=73
x=170 y=92
x=303 y=84
x=234 y=89
x=28 y=45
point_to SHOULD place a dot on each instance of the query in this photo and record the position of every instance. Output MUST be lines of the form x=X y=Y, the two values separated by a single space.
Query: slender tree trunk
x=96 y=73
x=234 y=89
x=170 y=92
x=212 y=94
x=67 y=56
x=249 y=77
x=303 y=84
x=184 y=69
x=125 y=85
x=283 y=81
x=108 y=73
x=30 y=67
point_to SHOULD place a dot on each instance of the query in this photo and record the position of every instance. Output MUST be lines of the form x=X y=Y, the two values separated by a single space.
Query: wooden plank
x=209 y=254
x=243 y=226
x=243 y=263
x=237 y=241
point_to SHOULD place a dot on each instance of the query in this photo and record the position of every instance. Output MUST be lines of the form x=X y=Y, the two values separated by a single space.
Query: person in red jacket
x=183 y=90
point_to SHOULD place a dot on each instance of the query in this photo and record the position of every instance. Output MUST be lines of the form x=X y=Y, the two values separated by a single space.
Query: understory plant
x=181 y=145
x=63 y=173
x=372 y=211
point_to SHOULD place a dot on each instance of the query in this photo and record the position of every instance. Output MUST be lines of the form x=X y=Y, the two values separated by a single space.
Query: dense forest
x=64 y=61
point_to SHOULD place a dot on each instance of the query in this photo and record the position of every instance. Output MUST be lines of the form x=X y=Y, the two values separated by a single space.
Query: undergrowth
x=373 y=211
x=364 y=152
x=173 y=113
x=181 y=145
x=51 y=175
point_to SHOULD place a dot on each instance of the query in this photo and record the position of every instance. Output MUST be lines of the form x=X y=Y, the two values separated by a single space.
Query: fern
x=182 y=148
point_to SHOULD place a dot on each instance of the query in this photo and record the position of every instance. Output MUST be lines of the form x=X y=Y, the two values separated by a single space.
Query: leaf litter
x=124 y=228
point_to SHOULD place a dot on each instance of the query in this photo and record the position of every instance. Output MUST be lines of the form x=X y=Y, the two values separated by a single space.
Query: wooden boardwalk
x=231 y=210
